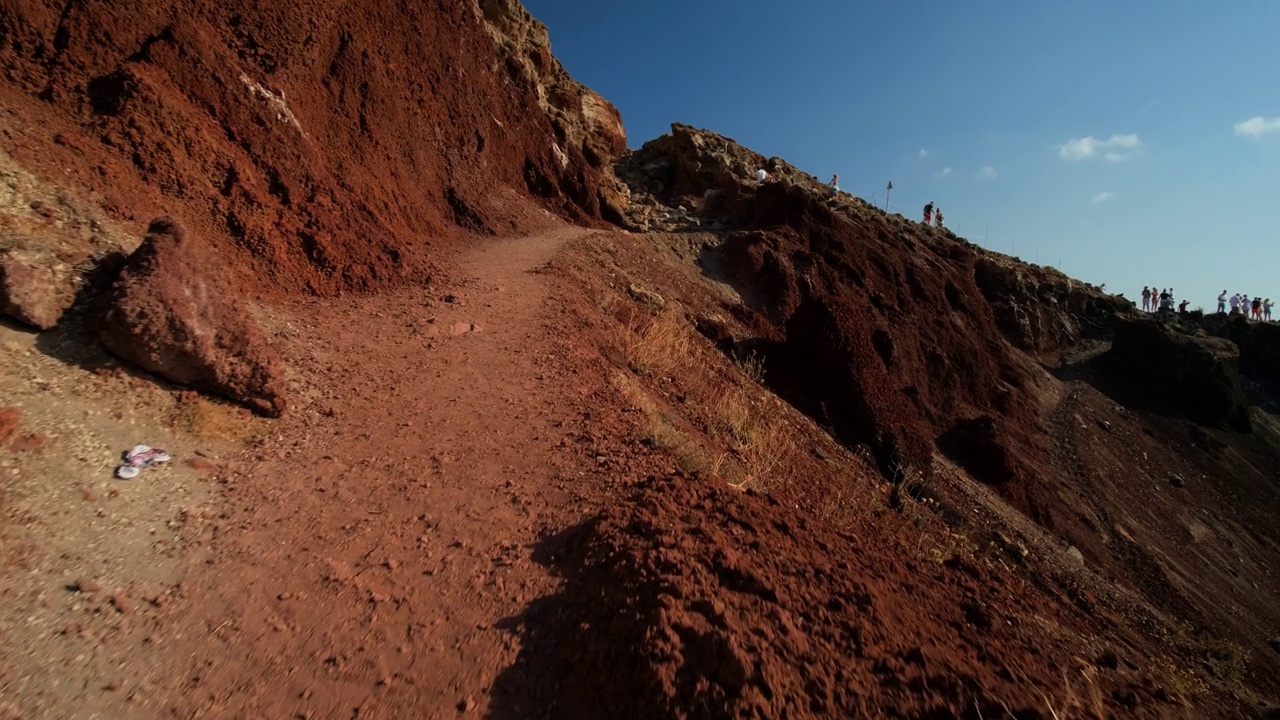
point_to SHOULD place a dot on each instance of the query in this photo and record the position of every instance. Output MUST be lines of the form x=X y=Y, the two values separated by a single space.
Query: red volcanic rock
x=172 y=312
x=35 y=287
x=322 y=149
x=10 y=421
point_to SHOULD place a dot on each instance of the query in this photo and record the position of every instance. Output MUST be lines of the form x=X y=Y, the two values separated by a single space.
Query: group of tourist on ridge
x=1258 y=309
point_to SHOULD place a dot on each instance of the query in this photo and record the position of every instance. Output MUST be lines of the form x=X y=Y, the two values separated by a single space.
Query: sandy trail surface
x=382 y=540
x=370 y=554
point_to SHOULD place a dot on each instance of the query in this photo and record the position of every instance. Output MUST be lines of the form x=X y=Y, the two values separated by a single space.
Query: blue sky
x=1116 y=136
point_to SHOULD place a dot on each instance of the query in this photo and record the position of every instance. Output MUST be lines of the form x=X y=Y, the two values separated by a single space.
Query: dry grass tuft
x=1083 y=697
x=753 y=434
x=751 y=366
x=1226 y=660
x=666 y=435
x=742 y=422
x=215 y=420
x=658 y=345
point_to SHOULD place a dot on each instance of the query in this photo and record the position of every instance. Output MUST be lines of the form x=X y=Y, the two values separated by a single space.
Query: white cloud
x=1102 y=197
x=1258 y=126
x=1116 y=148
x=944 y=172
x=987 y=173
x=923 y=153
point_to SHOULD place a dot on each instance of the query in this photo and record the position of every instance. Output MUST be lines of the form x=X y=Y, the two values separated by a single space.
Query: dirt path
x=382 y=536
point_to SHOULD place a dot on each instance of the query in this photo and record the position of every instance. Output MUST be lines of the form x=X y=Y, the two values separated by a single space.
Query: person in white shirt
x=1222 y=302
x=761 y=175
x=835 y=184
x=1235 y=304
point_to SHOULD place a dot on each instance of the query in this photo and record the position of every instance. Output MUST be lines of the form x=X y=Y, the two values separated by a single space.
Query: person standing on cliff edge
x=937 y=218
x=928 y=213
x=835 y=184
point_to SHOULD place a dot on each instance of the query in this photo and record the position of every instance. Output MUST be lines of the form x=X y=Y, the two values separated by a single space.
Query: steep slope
x=926 y=350
x=876 y=328
x=324 y=146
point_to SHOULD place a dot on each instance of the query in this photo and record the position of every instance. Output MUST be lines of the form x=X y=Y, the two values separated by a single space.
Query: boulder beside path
x=173 y=312
x=36 y=287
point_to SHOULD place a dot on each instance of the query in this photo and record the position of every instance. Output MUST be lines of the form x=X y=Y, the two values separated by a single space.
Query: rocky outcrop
x=1260 y=349
x=584 y=122
x=1259 y=343
x=873 y=325
x=36 y=287
x=1039 y=309
x=582 y=119
x=680 y=179
x=866 y=324
x=687 y=162
x=902 y=339
x=1153 y=364
x=172 y=312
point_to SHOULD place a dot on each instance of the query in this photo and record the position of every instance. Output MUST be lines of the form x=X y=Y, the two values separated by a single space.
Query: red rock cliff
x=321 y=145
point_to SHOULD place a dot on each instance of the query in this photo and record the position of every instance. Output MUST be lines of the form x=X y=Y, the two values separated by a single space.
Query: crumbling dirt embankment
x=698 y=601
x=321 y=146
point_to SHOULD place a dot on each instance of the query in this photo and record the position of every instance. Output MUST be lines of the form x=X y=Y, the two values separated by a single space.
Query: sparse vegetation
x=742 y=421
x=658 y=345
x=751 y=431
x=751 y=366
x=1081 y=698
x=1226 y=660
x=906 y=479
x=664 y=434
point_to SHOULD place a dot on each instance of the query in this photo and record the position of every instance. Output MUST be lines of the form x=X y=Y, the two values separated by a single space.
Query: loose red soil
x=465 y=514
x=386 y=534
x=321 y=148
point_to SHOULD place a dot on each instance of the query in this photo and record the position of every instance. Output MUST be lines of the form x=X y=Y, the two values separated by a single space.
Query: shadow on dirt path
x=578 y=656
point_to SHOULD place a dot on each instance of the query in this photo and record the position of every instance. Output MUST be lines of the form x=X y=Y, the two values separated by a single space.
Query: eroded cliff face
x=873 y=325
x=583 y=120
x=321 y=146
x=1042 y=311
